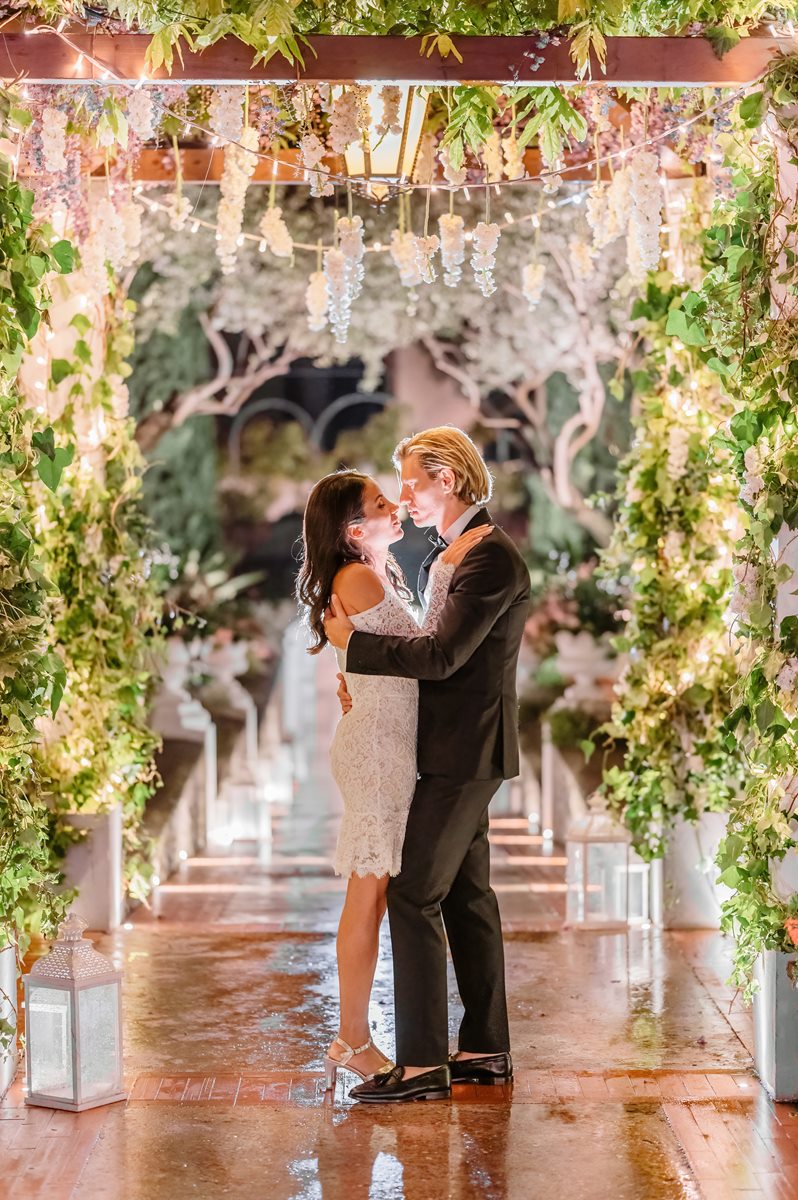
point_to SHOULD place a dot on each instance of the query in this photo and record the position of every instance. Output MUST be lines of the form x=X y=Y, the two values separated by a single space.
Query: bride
x=349 y=527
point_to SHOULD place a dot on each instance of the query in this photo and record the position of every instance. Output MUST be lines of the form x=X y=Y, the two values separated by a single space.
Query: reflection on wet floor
x=633 y=1066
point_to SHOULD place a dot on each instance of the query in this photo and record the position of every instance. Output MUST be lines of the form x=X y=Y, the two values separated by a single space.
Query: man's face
x=425 y=497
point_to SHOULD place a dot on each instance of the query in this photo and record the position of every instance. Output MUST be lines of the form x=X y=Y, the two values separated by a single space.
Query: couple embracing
x=428 y=733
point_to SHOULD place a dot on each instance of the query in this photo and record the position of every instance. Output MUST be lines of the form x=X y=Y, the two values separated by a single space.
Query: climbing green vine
x=672 y=543
x=107 y=613
x=32 y=673
x=742 y=323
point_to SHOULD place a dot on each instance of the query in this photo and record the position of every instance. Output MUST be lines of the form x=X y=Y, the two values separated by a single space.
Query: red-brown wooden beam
x=204 y=164
x=668 y=61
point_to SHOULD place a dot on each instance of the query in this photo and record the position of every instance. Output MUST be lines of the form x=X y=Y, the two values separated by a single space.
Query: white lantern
x=73 y=1019
x=387 y=160
x=607 y=882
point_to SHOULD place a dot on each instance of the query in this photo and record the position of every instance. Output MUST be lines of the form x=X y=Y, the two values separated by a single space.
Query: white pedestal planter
x=177 y=714
x=94 y=866
x=8 y=1012
x=299 y=695
x=685 y=894
x=776 y=1025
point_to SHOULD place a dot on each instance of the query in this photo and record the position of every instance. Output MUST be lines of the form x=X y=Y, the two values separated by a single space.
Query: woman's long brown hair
x=335 y=503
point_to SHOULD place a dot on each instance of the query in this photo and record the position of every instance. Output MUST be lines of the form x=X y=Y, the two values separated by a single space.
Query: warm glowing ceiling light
x=389 y=159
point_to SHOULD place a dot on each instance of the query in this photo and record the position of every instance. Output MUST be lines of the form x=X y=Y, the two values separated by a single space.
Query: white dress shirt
x=452 y=534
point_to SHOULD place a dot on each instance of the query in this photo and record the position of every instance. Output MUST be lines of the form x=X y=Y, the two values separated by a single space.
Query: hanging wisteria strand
x=533 y=277
x=451 y=228
x=645 y=192
x=405 y=258
x=513 y=158
x=483 y=255
x=275 y=233
x=339 y=293
x=344 y=128
x=455 y=176
x=350 y=241
x=313 y=151
x=316 y=301
x=53 y=138
x=426 y=248
x=391 y=122
x=239 y=167
x=142 y=117
x=226 y=113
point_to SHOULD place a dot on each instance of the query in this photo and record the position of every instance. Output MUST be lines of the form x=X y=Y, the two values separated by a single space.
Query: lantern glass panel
x=99 y=1041
x=575 y=882
x=606 y=882
x=49 y=1022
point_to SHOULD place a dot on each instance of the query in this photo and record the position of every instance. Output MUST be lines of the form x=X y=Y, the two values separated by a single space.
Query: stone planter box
x=8 y=1012
x=776 y=1025
x=685 y=892
x=94 y=866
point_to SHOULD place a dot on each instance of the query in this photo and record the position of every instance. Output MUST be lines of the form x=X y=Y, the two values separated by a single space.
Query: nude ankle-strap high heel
x=331 y=1065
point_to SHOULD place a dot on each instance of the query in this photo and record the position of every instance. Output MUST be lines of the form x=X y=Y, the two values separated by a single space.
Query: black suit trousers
x=445 y=882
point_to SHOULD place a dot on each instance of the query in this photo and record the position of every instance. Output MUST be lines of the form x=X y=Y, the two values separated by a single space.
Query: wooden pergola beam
x=644 y=61
x=204 y=164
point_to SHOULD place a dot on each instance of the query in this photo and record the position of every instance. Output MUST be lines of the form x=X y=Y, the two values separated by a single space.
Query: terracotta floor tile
x=629 y=1052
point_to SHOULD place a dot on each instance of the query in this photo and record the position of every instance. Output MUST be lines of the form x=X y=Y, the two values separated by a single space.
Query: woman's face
x=380 y=526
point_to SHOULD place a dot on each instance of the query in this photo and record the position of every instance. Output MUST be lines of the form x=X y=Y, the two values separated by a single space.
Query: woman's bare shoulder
x=358 y=587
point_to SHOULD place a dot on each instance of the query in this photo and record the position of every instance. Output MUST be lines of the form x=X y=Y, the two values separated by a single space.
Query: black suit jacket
x=468 y=708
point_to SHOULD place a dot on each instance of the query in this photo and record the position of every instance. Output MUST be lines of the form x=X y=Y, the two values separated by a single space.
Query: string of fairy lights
x=611 y=158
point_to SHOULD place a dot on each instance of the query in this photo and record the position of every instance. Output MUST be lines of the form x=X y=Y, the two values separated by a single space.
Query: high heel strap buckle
x=349 y=1051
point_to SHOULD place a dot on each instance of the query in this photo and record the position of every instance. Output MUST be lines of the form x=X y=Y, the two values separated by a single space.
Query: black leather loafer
x=492 y=1068
x=391 y=1087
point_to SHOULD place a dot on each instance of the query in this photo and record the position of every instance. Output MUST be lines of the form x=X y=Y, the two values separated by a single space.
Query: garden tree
x=499 y=352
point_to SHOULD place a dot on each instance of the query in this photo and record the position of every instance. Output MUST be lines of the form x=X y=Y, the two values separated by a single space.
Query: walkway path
x=633 y=1081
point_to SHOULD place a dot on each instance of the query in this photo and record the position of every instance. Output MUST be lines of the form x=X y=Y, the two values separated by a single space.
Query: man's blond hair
x=446 y=446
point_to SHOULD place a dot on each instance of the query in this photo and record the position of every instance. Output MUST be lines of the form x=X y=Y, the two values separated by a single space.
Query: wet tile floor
x=633 y=1059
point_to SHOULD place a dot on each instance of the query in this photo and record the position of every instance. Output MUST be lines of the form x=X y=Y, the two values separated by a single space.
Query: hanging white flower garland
x=275 y=233
x=53 y=138
x=391 y=121
x=454 y=176
x=313 y=151
x=533 y=277
x=451 y=228
x=514 y=167
x=226 y=112
x=316 y=301
x=344 y=129
x=339 y=293
x=426 y=247
x=239 y=167
x=645 y=191
x=350 y=240
x=142 y=117
x=483 y=255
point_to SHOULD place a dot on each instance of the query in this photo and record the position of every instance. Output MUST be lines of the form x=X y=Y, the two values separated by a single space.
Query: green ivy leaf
x=64 y=254
x=50 y=470
x=722 y=38
x=60 y=368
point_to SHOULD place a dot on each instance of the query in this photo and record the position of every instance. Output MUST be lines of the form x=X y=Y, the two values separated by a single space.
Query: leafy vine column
x=97 y=544
x=672 y=543
x=745 y=310
x=31 y=671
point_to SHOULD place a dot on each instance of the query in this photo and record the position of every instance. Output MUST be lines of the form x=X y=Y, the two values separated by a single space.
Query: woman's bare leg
x=358 y=945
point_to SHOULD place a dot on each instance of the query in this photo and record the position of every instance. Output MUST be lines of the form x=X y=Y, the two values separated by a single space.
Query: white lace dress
x=373 y=752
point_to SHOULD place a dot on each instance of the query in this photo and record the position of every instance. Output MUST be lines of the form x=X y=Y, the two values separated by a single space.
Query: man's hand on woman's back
x=343 y=695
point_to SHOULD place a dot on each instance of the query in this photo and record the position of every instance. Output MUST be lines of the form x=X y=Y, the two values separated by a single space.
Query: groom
x=467 y=743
